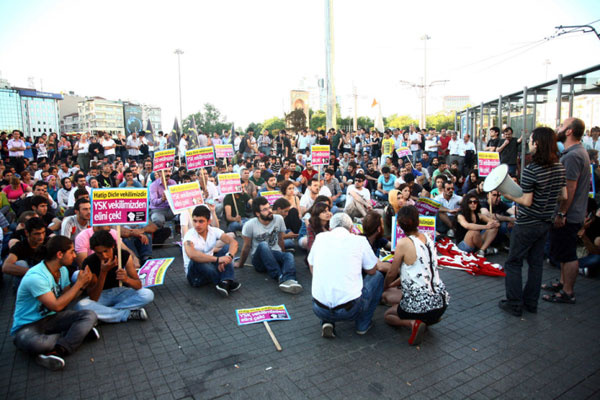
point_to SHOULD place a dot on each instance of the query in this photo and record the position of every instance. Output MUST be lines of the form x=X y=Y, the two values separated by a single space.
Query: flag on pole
x=193 y=136
x=175 y=134
x=379 y=119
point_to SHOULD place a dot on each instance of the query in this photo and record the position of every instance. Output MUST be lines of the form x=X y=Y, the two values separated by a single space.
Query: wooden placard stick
x=273 y=338
x=119 y=251
x=490 y=203
x=237 y=213
x=164 y=179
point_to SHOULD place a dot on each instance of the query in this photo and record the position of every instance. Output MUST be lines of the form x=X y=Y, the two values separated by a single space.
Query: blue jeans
x=115 y=304
x=526 y=242
x=141 y=250
x=363 y=309
x=591 y=261
x=417 y=155
x=381 y=195
x=236 y=226
x=279 y=265
x=203 y=273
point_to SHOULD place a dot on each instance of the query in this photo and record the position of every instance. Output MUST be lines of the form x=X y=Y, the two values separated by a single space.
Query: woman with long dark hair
x=474 y=231
x=320 y=214
x=292 y=220
x=543 y=182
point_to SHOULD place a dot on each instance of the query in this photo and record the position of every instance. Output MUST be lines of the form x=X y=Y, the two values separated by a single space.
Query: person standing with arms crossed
x=571 y=211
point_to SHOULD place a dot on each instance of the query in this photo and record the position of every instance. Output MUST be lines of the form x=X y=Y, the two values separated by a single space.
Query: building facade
x=154 y=115
x=97 y=114
x=10 y=110
x=32 y=112
x=70 y=123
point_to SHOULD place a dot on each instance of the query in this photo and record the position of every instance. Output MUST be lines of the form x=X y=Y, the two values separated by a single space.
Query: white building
x=97 y=114
x=154 y=115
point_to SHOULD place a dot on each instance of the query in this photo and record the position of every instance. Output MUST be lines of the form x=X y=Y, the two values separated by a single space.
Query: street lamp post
x=424 y=38
x=179 y=52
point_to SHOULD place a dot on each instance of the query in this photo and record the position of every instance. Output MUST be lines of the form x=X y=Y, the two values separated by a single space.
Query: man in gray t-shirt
x=571 y=212
x=263 y=241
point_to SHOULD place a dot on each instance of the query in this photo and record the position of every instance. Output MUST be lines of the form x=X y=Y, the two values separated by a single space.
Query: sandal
x=418 y=330
x=553 y=286
x=560 y=297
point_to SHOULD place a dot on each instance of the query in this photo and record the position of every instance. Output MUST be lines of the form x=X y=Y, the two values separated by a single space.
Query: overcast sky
x=246 y=56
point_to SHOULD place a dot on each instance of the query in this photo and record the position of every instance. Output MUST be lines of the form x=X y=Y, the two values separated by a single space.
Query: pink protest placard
x=152 y=273
x=426 y=227
x=404 y=152
x=229 y=183
x=199 y=158
x=119 y=206
x=184 y=196
x=427 y=206
x=247 y=316
x=487 y=161
x=163 y=159
x=224 y=151
x=271 y=196
x=320 y=155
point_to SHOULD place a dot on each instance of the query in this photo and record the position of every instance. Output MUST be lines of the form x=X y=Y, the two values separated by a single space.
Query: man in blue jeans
x=337 y=260
x=202 y=265
x=263 y=240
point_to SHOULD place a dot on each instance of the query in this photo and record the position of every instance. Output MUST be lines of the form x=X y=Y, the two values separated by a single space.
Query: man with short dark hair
x=508 y=151
x=263 y=240
x=494 y=141
x=201 y=263
x=105 y=179
x=41 y=323
x=385 y=183
x=571 y=212
x=445 y=221
x=25 y=254
x=72 y=225
x=358 y=198
x=81 y=183
x=160 y=212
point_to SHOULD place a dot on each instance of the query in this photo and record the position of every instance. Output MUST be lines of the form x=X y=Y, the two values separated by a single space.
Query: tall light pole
x=424 y=38
x=331 y=120
x=179 y=52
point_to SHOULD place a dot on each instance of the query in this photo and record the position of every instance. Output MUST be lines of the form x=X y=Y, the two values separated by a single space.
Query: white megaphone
x=500 y=180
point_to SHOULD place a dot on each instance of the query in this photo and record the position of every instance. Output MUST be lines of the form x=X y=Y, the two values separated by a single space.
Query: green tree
x=365 y=122
x=256 y=126
x=296 y=119
x=274 y=124
x=440 y=121
x=400 y=121
x=317 y=120
x=209 y=120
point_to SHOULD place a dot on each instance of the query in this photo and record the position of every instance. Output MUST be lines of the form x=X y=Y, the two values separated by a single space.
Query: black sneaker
x=51 y=361
x=234 y=286
x=223 y=288
x=94 y=334
x=139 y=315
x=504 y=305
x=530 y=309
x=161 y=235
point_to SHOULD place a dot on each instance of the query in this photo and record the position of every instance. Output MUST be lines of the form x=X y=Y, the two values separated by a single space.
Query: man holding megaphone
x=542 y=184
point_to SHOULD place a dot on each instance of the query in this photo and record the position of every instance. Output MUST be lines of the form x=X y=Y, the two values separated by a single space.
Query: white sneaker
x=450 y=233
x=327 y=330
x=50 y=361
x=140 y=314
x=290 y=286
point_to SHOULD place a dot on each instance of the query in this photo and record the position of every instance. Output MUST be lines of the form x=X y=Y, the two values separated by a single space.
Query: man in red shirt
x=444 y=140
x=308 y=173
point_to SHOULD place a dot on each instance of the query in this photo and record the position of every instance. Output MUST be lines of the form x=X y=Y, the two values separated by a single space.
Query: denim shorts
x=465 y=247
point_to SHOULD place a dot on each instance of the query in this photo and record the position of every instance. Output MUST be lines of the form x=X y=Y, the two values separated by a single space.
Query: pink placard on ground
x=164 y=159
x=199 y=158
x=229 y=183
x=119 y=206
x=247 y=316
x=152 y=273
x=224 y=151
x=487 y=161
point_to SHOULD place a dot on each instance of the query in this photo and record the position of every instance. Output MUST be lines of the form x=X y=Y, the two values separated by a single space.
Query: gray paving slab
x=192 y=348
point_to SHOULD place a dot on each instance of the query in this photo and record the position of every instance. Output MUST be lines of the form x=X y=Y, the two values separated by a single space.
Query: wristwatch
x=230 y=255
x=561 y=214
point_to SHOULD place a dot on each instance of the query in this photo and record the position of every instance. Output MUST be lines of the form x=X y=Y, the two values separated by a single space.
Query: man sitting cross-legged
x=202 y=265
x=41 y=324
x=111 y=302
x=263 y=239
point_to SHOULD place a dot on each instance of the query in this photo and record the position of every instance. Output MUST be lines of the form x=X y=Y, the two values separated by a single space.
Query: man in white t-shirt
x=133 y=146
x=183 y=145
x=72 y=225
x=109 y=147
x=312 y=191
x=162 y=141
x=358 y=198
x=445 y=220
x=263 y=241
x=415 y=143
x=201 y=264
x=337 y=260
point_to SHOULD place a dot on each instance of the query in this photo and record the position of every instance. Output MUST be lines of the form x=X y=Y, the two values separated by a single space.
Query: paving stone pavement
x=192 y=348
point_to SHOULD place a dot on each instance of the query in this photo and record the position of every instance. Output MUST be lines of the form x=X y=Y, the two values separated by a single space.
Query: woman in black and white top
x=424 y=296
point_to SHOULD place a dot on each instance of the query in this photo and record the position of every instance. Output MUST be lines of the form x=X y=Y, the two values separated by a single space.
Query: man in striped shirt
x=543 y=183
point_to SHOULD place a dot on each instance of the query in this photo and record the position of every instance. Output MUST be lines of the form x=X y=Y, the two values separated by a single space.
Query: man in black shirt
x=28 y=253
x=111 y=302
x=105 y=179
x=494 y=142
x=508 y=151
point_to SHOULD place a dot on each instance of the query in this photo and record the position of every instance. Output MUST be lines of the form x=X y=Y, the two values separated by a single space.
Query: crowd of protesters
x=64 y=271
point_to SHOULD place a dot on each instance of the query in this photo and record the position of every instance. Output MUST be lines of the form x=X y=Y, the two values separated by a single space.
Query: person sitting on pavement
x=27 y=253
x=42 y=325
x=475 y=231
x=313 y=190
x=385 y=183
x=337 y=260
x=39 y=204
x=320 y=215
x=202 y=264
x=236 y=214
x=282 y=207
x=79 y=194
x=114 y=294
x=424 y=297
x=160 y=212
x=84 y=249
x=445 y=220
x=81 y=183
x=358 y=198
x=73 y=225
x=128 y=180
x=263 y=241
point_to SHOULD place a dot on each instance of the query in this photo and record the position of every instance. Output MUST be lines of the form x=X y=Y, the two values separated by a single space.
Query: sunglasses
x=473 y=201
